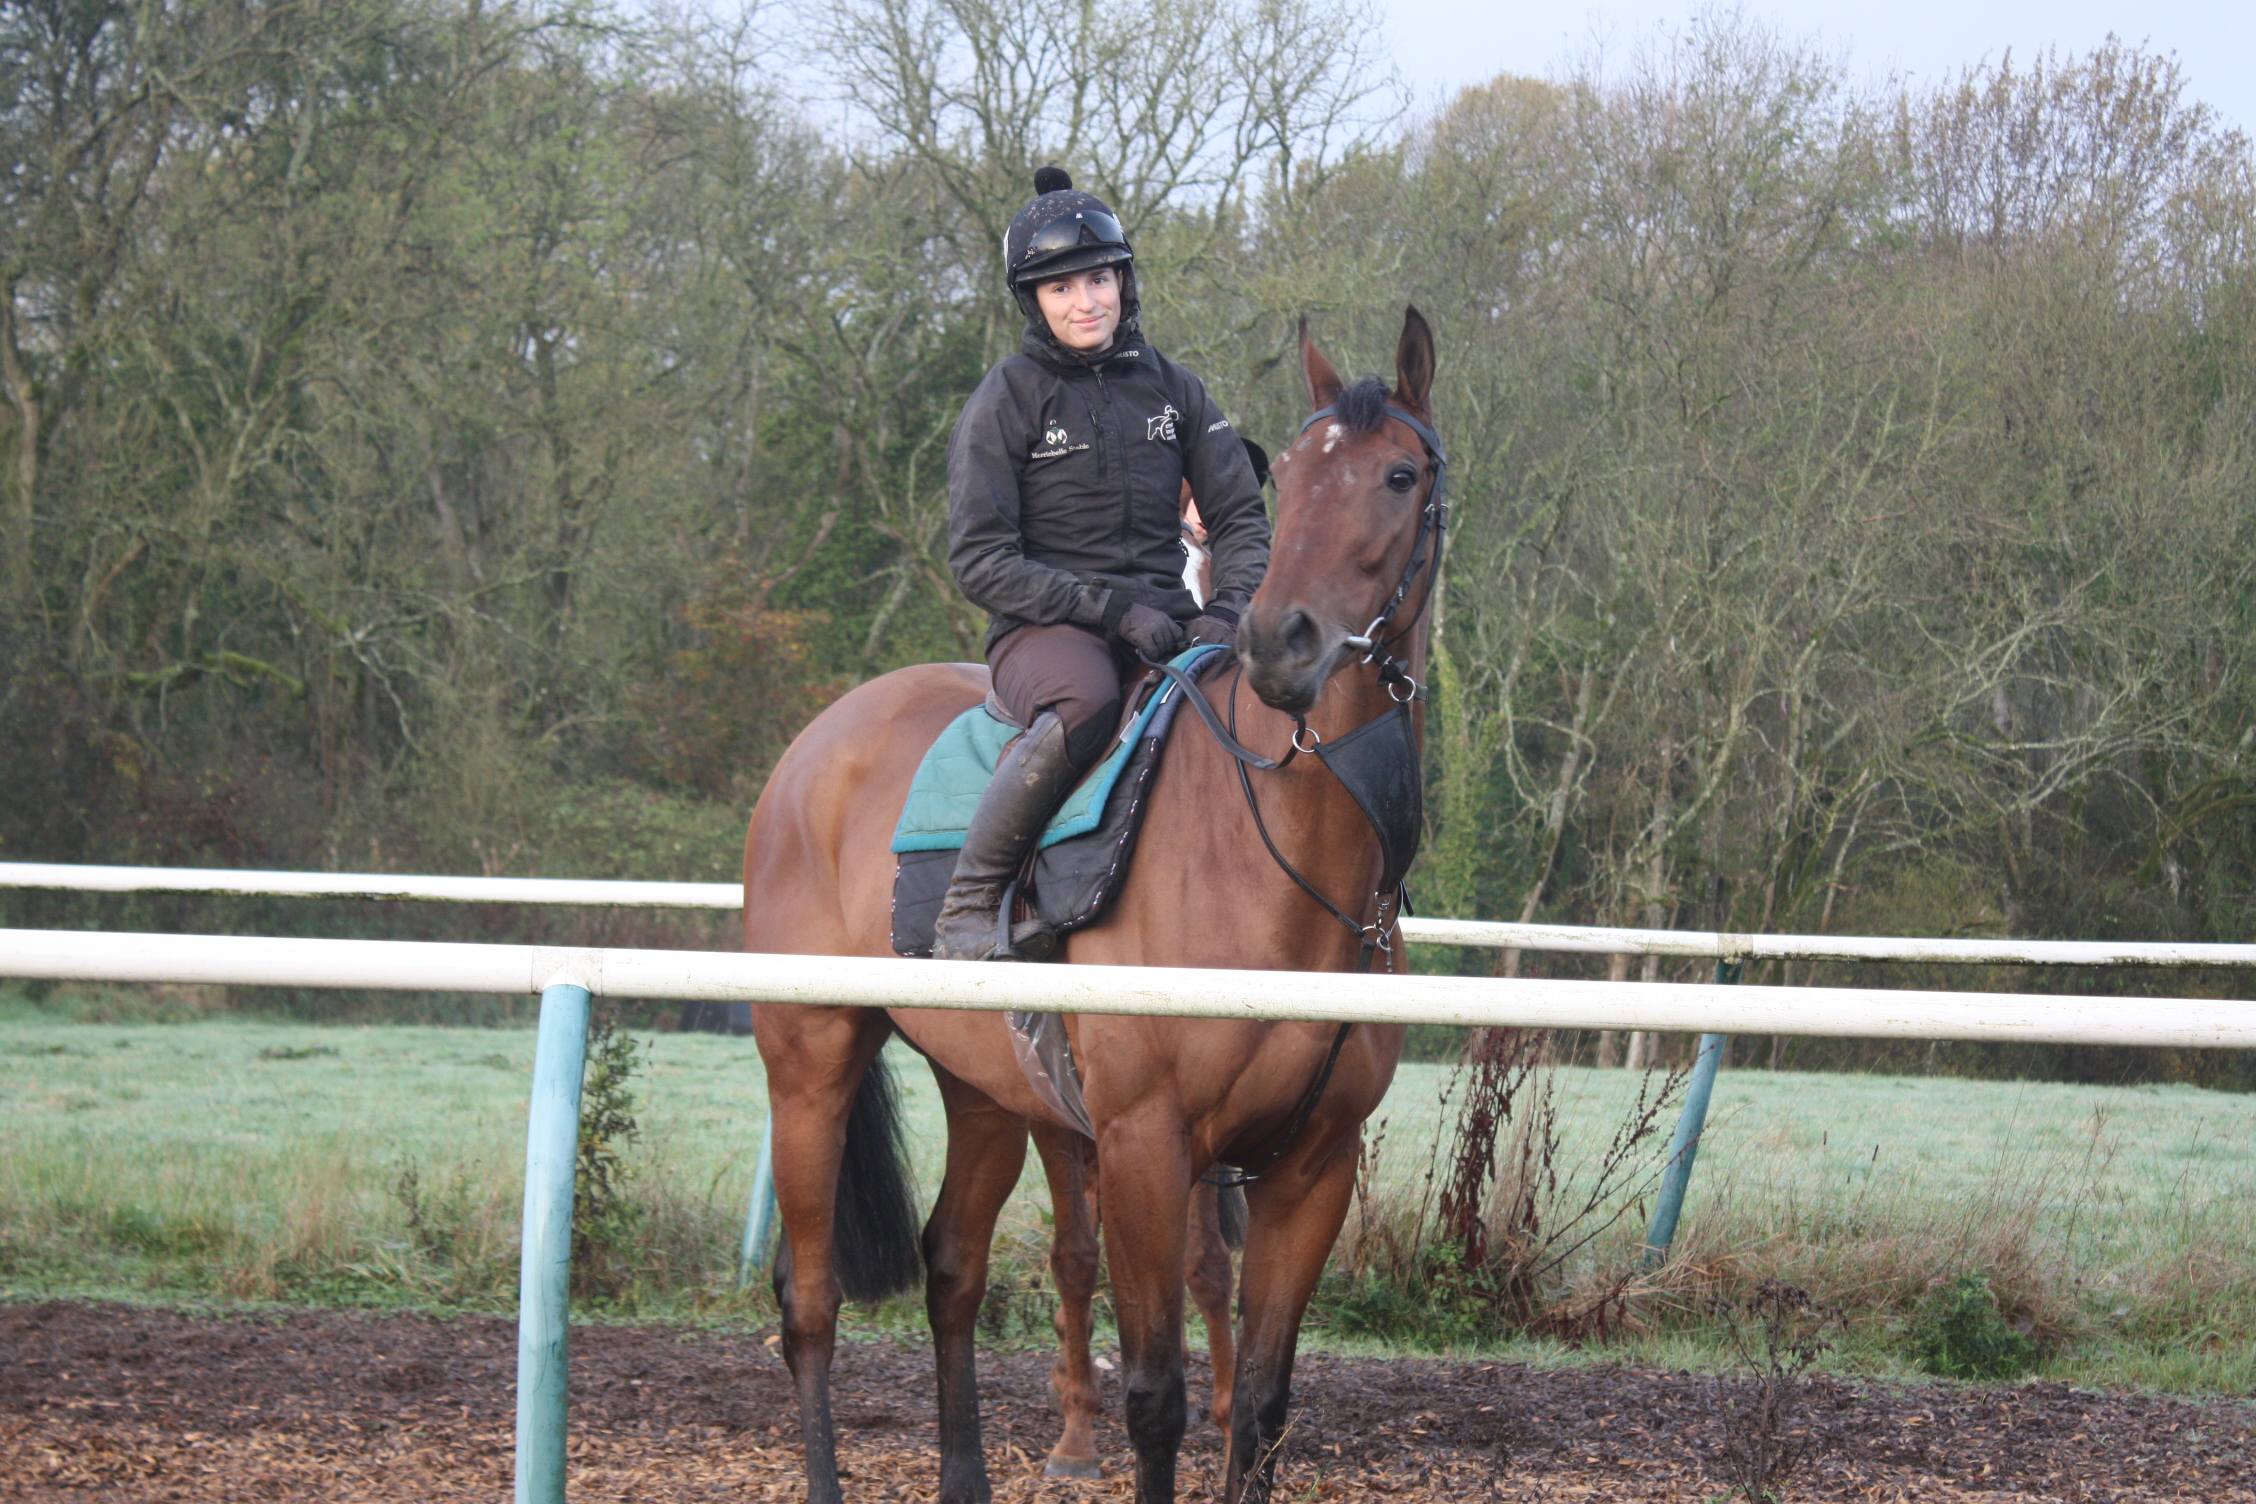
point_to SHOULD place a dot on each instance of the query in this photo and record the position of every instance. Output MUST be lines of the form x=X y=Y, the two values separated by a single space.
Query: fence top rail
x=1696 y=944
x=225 y=883
x=1709 y=945
x=1324 y=997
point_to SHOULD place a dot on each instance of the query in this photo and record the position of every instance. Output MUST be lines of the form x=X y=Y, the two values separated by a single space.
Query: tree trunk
x=29 y=412
x=1657 y=908
x=1609 y=1042
x=1555 y=812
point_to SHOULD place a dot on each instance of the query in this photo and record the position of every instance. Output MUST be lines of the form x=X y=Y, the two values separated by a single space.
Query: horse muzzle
x=1288 y=657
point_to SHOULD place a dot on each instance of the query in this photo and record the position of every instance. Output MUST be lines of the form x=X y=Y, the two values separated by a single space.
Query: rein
x=1370 y=939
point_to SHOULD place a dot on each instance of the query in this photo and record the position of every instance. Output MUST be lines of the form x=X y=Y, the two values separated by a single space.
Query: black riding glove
x=1151 y=632
x=1212 y=628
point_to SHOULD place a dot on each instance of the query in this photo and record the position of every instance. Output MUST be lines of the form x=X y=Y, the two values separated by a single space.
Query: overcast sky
x=1442 y=45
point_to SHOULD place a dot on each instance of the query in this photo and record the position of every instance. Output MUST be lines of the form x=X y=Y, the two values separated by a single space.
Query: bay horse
x=1357 y=539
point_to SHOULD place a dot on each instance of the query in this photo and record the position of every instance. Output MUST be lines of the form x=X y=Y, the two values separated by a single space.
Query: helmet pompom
x=1051 y=180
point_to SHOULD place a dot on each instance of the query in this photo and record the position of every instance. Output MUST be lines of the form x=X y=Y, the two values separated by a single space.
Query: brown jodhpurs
x=1070 y=670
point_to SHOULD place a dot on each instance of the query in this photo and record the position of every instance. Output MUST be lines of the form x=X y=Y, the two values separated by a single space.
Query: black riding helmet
x=1064 y=230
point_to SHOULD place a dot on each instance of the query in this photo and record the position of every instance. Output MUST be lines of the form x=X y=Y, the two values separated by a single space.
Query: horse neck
x=1315 y=822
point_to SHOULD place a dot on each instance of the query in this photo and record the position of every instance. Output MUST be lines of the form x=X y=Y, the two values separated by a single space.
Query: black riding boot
x=1029 y=784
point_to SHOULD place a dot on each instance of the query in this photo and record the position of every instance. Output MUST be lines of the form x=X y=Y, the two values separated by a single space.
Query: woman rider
x=1064 y=478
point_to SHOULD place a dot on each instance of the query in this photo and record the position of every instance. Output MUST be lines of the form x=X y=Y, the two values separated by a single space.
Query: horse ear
x=1414 y=363
x=1323 y=381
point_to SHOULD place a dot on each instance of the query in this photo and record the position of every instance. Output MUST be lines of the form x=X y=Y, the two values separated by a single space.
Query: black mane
x=1361 y=408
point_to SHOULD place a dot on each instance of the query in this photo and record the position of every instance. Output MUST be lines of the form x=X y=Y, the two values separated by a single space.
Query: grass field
x=236 y=1159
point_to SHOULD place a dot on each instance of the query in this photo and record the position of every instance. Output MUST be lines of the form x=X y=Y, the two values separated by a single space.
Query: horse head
x=1353 y=524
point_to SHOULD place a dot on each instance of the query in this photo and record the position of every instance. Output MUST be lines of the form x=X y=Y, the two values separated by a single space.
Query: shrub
x=606 y=1220
x=730 y=701
x=1769 y=1425
x=1959 y=1333
x=1481 y=1245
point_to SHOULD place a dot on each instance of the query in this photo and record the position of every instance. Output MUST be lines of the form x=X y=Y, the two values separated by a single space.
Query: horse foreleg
x=1147 y=1183
x=1293 y=1220
x=986 y=1151
x=1206 y=1270
x=1069 y=1162
x=816 y=1059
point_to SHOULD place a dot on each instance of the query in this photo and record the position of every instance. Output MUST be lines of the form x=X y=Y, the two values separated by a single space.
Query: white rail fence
x=1696 y=944
x=1177 y=992
x=566 y=979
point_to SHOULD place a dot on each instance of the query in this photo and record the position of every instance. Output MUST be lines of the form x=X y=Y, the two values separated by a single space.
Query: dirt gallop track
x=120 y=1403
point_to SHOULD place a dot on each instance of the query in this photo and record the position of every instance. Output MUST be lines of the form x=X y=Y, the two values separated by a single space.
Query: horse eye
x=1401 y=478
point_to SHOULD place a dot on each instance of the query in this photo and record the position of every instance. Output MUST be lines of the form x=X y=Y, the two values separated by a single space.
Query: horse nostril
x=1286 y=658
x=1297 y=634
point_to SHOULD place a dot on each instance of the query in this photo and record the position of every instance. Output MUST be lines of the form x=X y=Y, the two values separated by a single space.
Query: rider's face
x=1083 y=308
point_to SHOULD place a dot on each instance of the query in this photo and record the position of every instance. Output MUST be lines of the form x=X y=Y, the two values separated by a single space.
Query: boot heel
x=1004 y=949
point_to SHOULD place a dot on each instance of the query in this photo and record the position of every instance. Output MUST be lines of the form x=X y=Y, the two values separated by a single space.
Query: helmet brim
x=1078 y=258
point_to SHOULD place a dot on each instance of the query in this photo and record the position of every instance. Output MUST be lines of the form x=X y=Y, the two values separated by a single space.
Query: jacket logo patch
x=1055 y=442
x=1163 y=426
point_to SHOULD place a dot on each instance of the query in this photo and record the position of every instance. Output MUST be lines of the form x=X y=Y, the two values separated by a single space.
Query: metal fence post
x=544 y=1292
x=1684 y=1146
x=759 y=1221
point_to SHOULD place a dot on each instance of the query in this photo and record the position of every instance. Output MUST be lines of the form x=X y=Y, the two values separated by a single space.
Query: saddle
x=1085 y=849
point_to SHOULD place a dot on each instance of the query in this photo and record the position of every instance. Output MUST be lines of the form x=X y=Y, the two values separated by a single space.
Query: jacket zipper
x=1120 y=480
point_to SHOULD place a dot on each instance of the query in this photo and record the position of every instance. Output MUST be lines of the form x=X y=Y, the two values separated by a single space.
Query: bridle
x=1378 y=639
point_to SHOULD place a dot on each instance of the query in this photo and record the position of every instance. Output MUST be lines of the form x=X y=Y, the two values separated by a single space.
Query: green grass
x=247 y=1158
x=2117 y=1224
x=243 y=1160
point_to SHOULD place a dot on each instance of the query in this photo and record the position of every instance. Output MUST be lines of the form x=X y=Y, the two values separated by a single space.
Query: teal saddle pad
x=1086 y=847
x=958 y=766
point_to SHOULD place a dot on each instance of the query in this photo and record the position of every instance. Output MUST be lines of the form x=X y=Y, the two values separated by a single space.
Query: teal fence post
x=759 y=1221
x=1684 y=1146
x=544 y=1292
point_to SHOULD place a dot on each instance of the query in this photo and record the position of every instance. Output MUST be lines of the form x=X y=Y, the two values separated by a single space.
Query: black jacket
x=1064 y=486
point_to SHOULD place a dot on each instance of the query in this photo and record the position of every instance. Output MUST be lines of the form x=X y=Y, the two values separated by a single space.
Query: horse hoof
x=1084 y=1468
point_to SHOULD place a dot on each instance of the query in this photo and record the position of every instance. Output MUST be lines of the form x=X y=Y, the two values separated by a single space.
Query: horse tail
x=875 y=1245
x=1230 y=1214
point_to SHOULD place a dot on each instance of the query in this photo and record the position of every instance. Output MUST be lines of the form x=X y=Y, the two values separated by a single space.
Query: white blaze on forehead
x=1333 y=433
